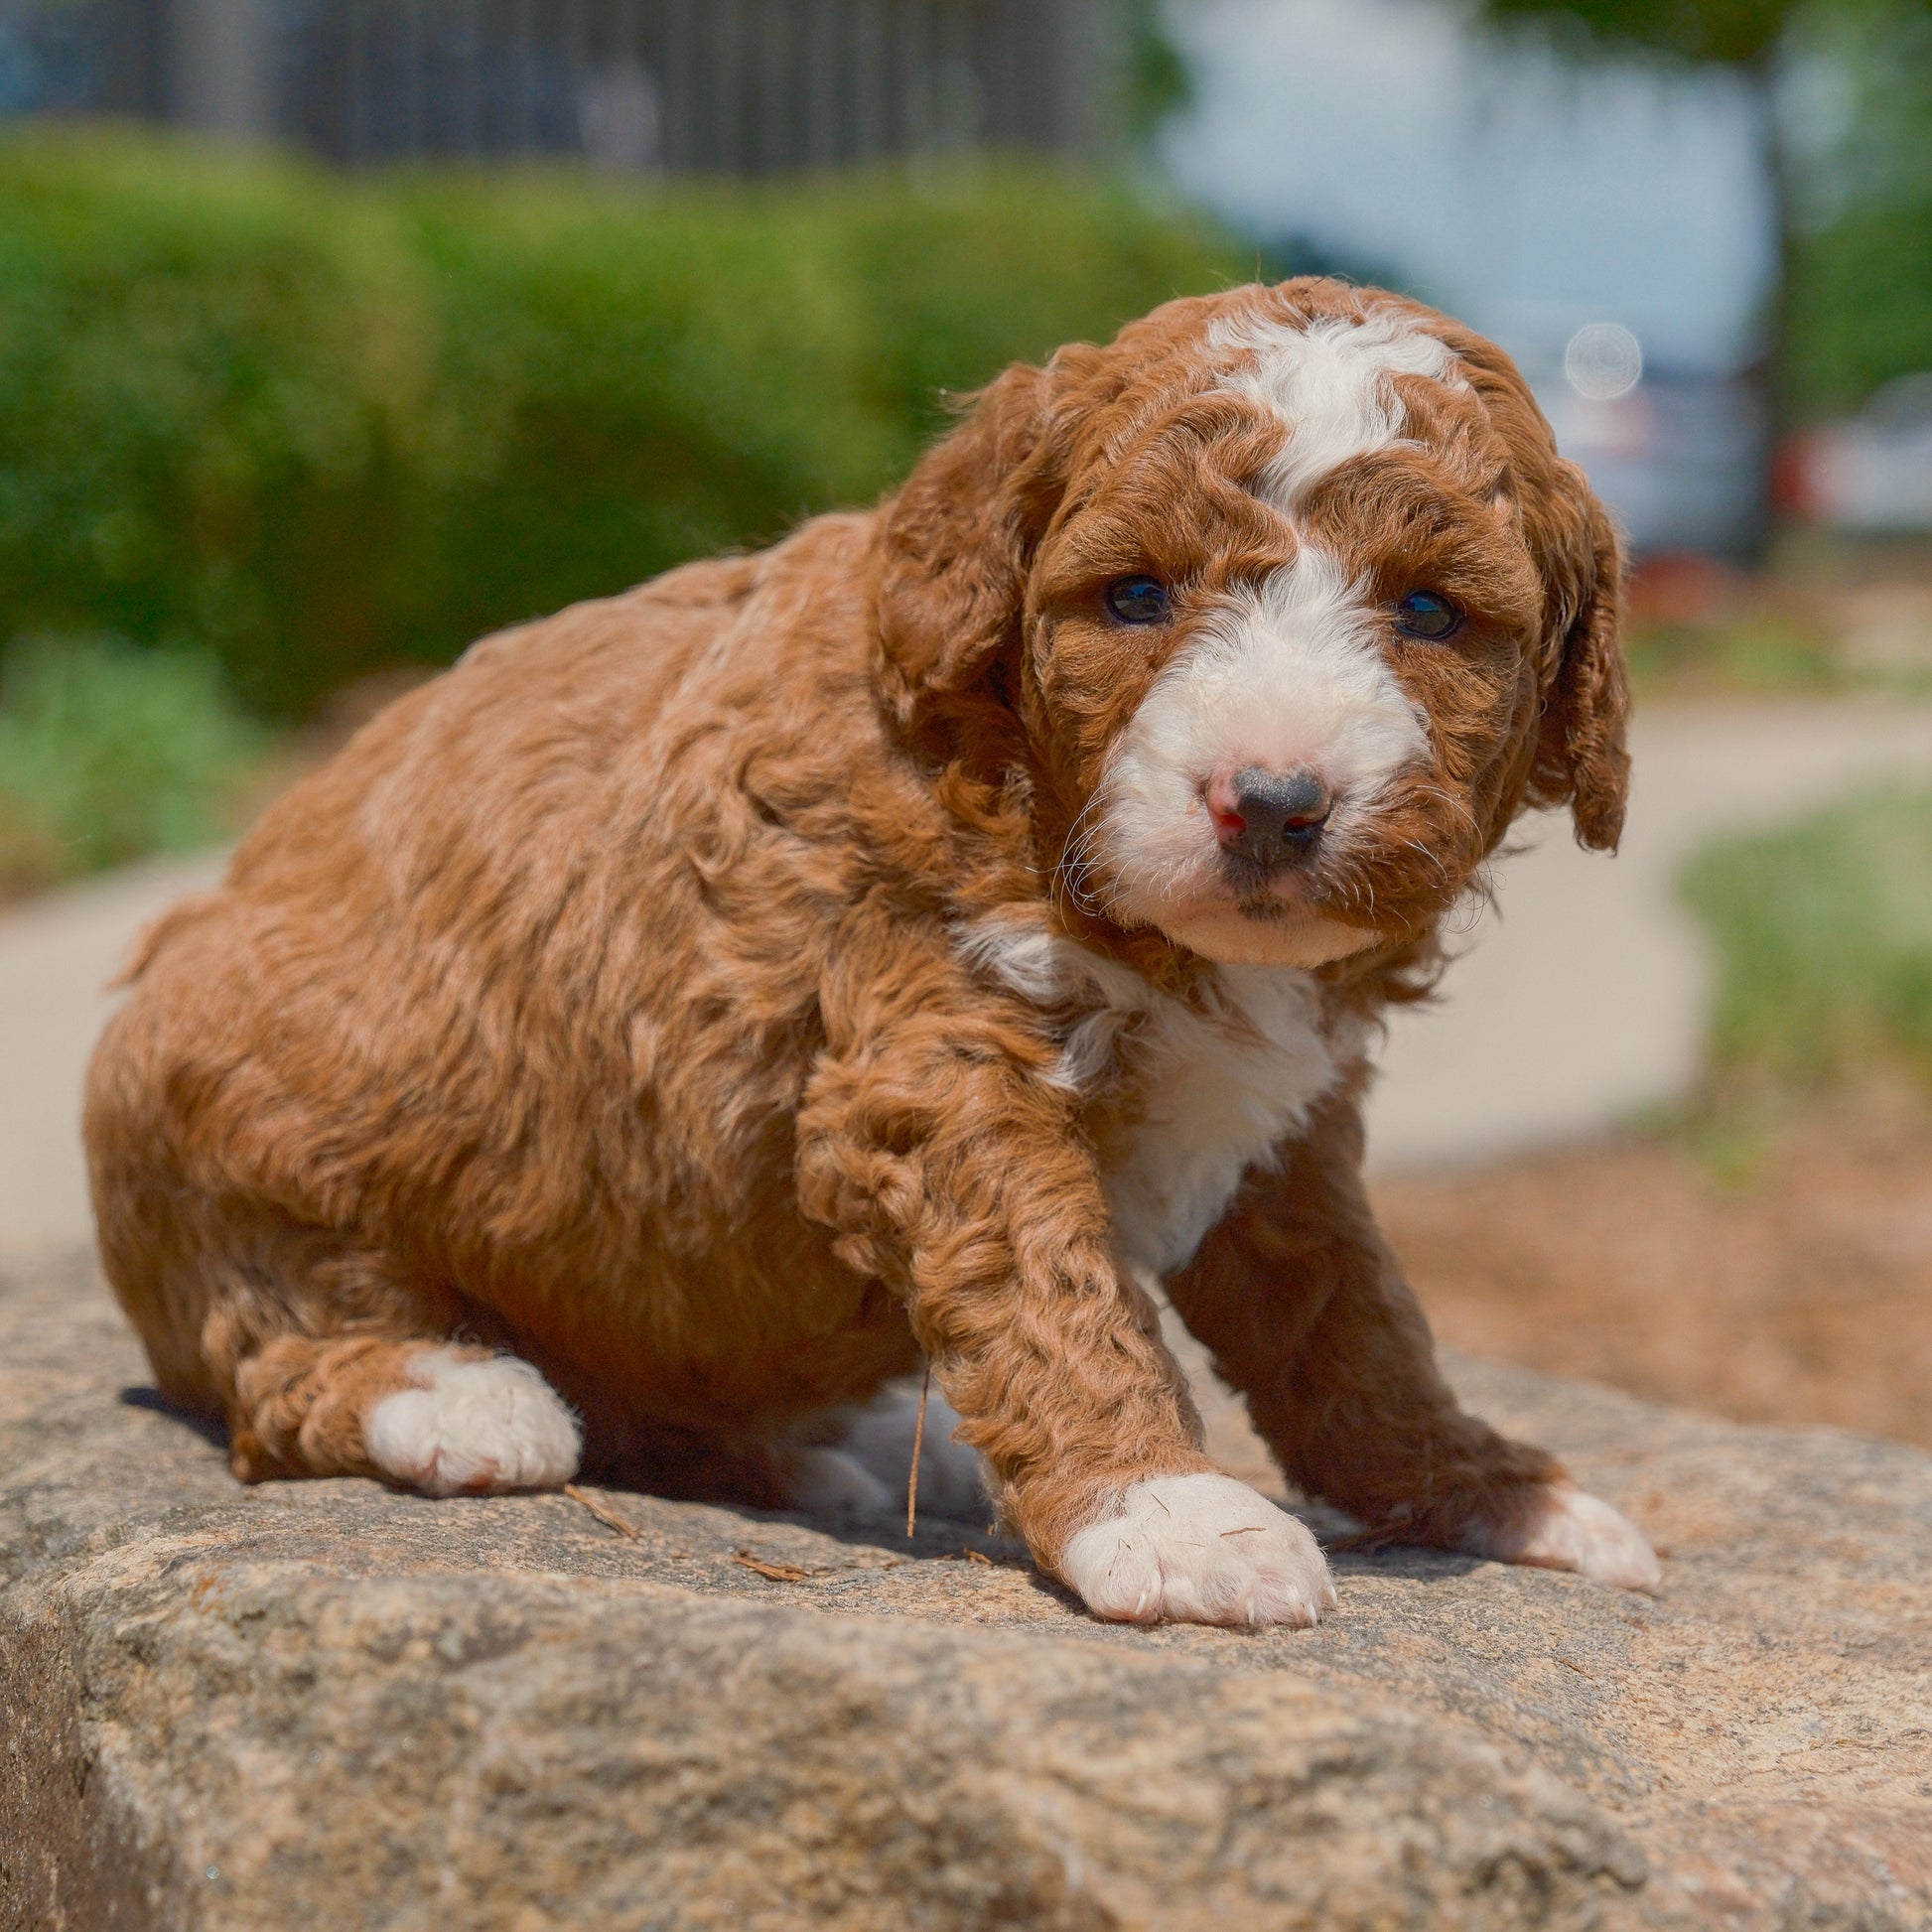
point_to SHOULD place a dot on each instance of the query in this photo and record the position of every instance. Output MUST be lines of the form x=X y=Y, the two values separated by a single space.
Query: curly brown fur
x=721 y=994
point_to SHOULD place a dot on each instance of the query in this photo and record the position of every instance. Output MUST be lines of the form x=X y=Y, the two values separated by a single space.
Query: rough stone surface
x=324 y=1704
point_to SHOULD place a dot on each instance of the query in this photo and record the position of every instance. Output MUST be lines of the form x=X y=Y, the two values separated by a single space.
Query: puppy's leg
x=330 y=1361
x=953 y=1171
x=1307 y=1314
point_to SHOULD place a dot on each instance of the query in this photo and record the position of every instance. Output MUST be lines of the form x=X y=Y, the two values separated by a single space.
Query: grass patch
x=1822 y=936
x=109 y=753
x=1754 y=657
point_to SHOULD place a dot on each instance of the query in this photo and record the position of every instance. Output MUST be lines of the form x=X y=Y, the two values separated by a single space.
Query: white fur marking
x=1572 y=1530
x=1226 y=1088
x=1290 y=673
x=1328 y=382
x=1053 y=971
x=1200 y=1548
x=1221 y=1084
x=473 y=1425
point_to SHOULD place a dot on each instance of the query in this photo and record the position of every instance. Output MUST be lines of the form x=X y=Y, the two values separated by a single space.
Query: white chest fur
x=1216 y=1085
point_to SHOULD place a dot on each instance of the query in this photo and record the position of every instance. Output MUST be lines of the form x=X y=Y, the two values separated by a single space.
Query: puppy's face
x=1305 y=607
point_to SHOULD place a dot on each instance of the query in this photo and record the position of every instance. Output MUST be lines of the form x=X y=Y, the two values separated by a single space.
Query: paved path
x=56 y=956
x=1583 y=995
x=1580 y=1004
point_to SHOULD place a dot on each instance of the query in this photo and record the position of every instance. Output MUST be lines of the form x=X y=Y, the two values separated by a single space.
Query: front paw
x=1562 y=1527
x=1199 y=1549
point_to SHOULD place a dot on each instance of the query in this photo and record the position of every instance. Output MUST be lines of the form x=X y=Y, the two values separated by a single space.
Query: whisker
x=1434 y=858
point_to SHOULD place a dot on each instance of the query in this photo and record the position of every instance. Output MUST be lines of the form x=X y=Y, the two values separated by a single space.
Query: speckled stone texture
x=325 y=1705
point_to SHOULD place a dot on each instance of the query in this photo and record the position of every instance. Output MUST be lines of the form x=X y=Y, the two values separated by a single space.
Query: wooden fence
x=724 y=86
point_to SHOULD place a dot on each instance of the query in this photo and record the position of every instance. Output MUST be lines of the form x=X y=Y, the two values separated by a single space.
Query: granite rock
x=324 y=1704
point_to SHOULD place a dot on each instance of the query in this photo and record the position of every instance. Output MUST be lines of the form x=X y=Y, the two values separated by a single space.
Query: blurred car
x=1679 y=457
x=1872 y=473
x=1678 y=451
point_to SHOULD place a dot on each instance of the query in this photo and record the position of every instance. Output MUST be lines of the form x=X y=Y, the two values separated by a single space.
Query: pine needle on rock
x=779 y=1573
x=603 y=1511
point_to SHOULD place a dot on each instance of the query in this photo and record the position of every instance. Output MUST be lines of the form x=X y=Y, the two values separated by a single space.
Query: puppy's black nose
x=1268 y=817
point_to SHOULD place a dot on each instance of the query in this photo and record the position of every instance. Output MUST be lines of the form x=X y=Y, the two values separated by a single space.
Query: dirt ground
x=1801 y=1295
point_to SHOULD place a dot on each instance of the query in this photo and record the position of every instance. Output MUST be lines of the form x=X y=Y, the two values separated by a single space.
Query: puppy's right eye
x=1427 y=614
x=1138 y=599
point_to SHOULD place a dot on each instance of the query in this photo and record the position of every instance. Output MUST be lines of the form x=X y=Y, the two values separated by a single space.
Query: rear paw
x=1200 y=1548
x=1564 y=1528
x=880 y=1438
x=867 y=1474
x=473 y=1425
x=828 y=1482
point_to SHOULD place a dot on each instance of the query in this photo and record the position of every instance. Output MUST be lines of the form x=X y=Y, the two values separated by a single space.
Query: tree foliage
x=1156 y=83
x=1734 y=33
x=1861 y=283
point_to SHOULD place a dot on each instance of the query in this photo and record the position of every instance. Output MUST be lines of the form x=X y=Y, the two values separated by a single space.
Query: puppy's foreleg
x=1307 y=1314
x=953 y=1171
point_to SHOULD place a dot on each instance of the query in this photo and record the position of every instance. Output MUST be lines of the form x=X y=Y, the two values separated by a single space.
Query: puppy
x=909 y=942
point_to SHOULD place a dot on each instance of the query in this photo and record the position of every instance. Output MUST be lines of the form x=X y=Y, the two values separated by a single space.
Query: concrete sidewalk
x=56 y=956
x=1580 y=999
x=1582 y=994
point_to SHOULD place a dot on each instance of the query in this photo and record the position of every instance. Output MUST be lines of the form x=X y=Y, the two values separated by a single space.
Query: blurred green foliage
x=1861 y=308
x=1157 y=82
x=109 y=752
x=1741 y=33
x=1823 y=933
x=318 y=425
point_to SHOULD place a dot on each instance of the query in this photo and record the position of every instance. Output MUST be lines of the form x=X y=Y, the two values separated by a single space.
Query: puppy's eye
x=1423 y=613
x=1138 y=599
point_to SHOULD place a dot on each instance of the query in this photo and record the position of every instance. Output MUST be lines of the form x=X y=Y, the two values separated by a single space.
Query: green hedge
x=317 y=424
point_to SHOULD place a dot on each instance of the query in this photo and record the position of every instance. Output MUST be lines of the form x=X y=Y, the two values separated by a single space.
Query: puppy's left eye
x=1138 y=599
x=1423 y=613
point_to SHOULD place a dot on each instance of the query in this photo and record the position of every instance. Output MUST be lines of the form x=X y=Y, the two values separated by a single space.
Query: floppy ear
x=1580 y=755
x=957 y=543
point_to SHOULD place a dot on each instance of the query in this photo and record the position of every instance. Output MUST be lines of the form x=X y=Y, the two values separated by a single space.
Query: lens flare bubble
x=1603 y=362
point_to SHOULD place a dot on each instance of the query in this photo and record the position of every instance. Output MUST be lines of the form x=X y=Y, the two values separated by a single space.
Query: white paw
x=828 y=1482
x=473 y=1427
x=880 y=1440
x=1568 y=1529
x=1200 y=1548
